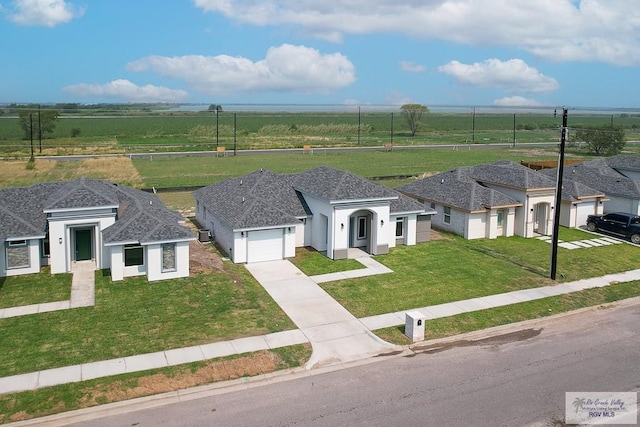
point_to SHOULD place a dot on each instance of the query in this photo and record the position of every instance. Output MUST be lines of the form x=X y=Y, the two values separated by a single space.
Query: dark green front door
x=83 y=244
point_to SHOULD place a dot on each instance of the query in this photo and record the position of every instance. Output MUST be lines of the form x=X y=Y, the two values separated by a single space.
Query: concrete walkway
x=82 y=294
x=335 y=334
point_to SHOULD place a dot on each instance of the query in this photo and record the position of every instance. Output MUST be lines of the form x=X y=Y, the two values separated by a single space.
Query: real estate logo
x=598 y=408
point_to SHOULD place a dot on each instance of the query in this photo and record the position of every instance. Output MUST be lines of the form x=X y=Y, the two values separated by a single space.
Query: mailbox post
x=414 y=326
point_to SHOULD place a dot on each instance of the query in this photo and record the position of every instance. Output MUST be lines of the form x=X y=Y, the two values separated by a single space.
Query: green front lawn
x=34 y=289
x=453 y=269
x=312 y=262
x=135 y=316
x=482 y=319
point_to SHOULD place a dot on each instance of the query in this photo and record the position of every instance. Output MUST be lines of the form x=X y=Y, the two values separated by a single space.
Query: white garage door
x=265 y=245
x=584 y=209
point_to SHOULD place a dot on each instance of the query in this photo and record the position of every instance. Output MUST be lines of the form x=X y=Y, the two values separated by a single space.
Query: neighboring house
x=122 y=229
x=265 y=216
x=618 y=177
x=500 y=199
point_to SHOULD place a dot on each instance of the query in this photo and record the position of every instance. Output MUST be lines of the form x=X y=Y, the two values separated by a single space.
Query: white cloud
x=559 y=30
x=512 y=75
x=286 y=68
x=46 y=13
x=516 y=101
x=412 y=67
x=127 y=91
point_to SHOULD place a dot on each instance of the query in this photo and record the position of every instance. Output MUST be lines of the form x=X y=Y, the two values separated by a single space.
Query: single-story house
x=265 y=215
x=618 y=177
x=500 y=199
x=119 y=228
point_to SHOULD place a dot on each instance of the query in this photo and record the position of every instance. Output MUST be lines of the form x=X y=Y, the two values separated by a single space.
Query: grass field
x=182 y=131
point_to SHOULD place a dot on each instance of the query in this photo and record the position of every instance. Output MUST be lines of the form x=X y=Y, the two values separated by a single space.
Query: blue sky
x=434 y=52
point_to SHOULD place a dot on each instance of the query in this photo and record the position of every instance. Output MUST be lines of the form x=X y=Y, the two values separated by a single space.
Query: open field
x=182 y=131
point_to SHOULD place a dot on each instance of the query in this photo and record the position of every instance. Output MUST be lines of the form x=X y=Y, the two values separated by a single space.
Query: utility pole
x=391 y=132
x=558 y=201
x=217 y=127
x=514 y=130
x=473 y=126
x=39 y=130
x=31 y=134
x=235 y=129
x=359 y=122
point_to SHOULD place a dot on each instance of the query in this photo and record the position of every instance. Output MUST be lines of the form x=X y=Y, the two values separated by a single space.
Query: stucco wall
x=154 y=262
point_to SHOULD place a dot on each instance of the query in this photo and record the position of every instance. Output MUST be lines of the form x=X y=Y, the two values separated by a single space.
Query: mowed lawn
x=452 y=269
x=135 y=316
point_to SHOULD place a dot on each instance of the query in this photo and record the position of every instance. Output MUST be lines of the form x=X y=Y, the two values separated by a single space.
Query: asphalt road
x=296 y=150
x=516 y=378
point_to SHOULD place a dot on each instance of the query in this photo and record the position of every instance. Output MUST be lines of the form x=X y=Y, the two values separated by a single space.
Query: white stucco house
x=501 y=199
x=122 y=229
x=264 y=215
x=618 y=177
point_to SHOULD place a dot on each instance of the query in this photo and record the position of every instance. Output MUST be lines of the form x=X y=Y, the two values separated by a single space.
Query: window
x=500 y=214
x=400 y=227
x=133 y=255
x=45 y=247
x=362 y=227
x=433 y=205
x=447 y=215
x=168 y=257
x=17 y=252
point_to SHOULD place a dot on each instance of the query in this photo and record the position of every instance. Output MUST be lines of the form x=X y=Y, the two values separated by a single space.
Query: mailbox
x=414 y=326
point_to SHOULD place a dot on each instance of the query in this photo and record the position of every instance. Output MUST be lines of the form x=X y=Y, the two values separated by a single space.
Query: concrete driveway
x=335 y=334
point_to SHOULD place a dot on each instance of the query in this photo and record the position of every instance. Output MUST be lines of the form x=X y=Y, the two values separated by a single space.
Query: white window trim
x=446 y=218
x=17 y=244
x=175 y=257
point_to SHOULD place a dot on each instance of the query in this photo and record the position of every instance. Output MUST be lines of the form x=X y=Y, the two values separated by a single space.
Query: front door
x=83 y=237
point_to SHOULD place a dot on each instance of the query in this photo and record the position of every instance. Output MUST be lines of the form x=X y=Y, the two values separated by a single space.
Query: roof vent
x=240 y=182
x=150 y=202
x=243 y=200
x=261 y=169
x=442 y=181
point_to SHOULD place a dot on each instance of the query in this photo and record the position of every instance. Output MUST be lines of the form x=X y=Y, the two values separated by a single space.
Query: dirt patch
x=256 y=364
x=494 y=341
x=203 y=257
x=436 y=235
x=115 y=169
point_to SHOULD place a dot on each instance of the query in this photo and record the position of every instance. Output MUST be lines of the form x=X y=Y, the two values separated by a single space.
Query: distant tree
x=602 y=140
x=413 y=114
x=28 y=121
x=215 y=108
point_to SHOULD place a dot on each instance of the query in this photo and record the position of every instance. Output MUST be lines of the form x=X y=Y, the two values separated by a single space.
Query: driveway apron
x=335 y=334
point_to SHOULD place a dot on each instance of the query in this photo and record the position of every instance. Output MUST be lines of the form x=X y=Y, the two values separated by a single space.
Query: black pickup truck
x=622 y=224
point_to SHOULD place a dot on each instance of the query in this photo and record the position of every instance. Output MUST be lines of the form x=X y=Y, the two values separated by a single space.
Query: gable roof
x=457 y=189
x=141 y=217
x=265 y=199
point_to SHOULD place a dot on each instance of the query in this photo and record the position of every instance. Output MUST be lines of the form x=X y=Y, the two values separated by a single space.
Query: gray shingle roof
x=267 y=199
x=621 y=162
x=142 y=217
x=457 y=189
x=599 y=176
x=511 y=174
x=337 y=185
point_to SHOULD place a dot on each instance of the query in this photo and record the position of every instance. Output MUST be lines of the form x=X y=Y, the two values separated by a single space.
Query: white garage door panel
x=265 y=245
x=584 y=209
